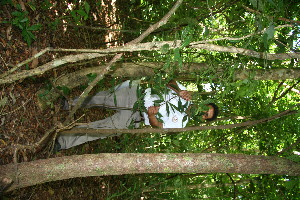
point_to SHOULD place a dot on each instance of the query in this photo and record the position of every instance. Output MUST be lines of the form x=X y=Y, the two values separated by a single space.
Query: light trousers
x=121 y=100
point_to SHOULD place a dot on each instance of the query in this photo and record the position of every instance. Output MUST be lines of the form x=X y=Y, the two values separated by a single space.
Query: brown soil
x=23 y=122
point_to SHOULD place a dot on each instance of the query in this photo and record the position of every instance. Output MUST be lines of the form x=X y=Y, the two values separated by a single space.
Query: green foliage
x=246 y=98
x=64 y=89
x=21 y=20
x=81 y=14
x=197 y=21
x=91 y=76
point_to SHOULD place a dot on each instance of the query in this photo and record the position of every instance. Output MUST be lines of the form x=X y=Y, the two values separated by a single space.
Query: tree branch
x=176 y=130
x=246 y=36
x=279 y=18
x=246 y=52
x=289 y=147
x=283 y=93
x=149 y=46
x=59 y=168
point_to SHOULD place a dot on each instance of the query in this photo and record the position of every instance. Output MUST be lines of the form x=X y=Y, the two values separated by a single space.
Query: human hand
x=186 y=95
x=152 y=110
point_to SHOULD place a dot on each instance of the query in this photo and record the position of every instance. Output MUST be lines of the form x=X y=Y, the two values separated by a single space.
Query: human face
x=208 y=114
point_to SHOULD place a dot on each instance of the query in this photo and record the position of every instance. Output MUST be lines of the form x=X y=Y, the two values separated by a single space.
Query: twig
x=243 y=37
x=234 y=186
x=2 y=114
x=289 y=147
x=276 y=92
x=279 y=18
x=284 y=93
x=246 y=52
x=25 y=62
x=293 y=89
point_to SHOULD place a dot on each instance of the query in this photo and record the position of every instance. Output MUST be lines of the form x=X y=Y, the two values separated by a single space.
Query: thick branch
x=246 y=52
x=41 y=171
x=149 y=46
x=176 y=130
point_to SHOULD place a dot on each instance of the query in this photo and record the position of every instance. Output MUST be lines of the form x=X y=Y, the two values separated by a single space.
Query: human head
x=212 y=113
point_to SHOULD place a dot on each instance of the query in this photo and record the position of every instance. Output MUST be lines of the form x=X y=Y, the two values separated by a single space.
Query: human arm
x=152 y=110
x=186 y=95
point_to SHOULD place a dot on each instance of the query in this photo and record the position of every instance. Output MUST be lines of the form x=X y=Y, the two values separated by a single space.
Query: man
x=170 y=113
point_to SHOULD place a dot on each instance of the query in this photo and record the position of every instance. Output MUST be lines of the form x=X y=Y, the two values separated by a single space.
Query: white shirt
x=172 y=118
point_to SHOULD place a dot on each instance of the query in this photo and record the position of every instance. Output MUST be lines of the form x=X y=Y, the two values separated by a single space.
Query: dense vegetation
x=225 y=36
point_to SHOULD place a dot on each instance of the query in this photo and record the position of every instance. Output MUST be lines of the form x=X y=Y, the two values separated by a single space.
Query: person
x=163 y=115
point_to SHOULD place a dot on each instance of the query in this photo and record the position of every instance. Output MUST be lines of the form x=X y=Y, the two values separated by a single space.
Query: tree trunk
x=53 y=169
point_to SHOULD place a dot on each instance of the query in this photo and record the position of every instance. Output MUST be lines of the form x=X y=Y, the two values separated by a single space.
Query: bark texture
x=53 y=169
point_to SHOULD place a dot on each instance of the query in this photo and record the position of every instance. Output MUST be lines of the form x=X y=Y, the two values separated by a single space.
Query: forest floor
x=24 y=122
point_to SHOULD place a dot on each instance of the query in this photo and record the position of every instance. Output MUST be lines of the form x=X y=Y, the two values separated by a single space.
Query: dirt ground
x=24 y=122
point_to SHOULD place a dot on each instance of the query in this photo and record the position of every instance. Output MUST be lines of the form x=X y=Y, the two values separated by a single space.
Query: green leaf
x=158 y=101
x=91 y=76
x=27 y=37
x=177 y=57
x=34 y=27
x=24 y=20
x=66 y=90
x=270 y=32
x=87 y=7
x=168 y=108
x=157 y=92
x=177 y=54
x=175 y=107
x=205 y=32
x=186 y=42
x=3 y=2
x=82 y=13
x=3 y=101
x=17 y=14
x=31 y=35
x=165 y=48
x=158 y=117
x=254 y=3
x=176 y=142
x=185 y=118
x=135 y=106
x=294 y=158
x=180 y=106
x=291 y=184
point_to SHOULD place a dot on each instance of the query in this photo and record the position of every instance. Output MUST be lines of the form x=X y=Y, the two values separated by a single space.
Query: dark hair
x=216 y=112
